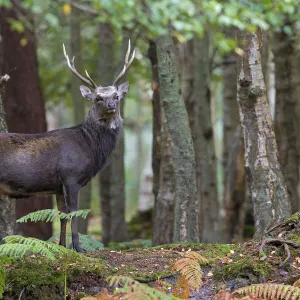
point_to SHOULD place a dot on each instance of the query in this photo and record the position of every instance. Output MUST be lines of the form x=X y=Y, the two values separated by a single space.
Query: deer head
x=105 y=99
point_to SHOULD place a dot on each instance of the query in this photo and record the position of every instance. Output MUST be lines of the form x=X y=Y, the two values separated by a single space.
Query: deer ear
x=123 y=89
x=86 y=92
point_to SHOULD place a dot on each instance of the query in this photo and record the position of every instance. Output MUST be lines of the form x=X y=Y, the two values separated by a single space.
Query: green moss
x=38 y=271
x=294 y=218
x=244 y=267
x=209 y=251
x=41 y=271
x=294 y=237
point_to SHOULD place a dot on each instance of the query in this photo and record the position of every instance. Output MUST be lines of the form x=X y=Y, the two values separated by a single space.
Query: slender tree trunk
x=205 y=154
x=287 y=72
x=163 y=218
x=234 y=191
x=266 y=182
x=106 y=74
x=24 y=106
x=7 y=205
x=112 y=178
x=234 y=194
x=79 y=108
x=157 y=121
x=186 y=224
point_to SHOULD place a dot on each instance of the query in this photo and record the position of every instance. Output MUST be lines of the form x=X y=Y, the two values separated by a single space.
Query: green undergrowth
x=249 y=267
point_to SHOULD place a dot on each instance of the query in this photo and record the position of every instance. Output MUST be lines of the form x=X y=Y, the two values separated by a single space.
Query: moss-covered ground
x=230 y=266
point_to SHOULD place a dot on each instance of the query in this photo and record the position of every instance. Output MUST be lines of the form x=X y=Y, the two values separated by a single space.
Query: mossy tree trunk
x=287 y=84
x=24 y=104
x=7 y=205
x=186 y=213
x=265 y=178
x=163 y=169
x=79 y=107
x=113 y=176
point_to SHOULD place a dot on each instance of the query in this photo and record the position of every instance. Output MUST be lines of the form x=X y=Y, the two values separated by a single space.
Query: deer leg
x=71 y=194
x=61 y=206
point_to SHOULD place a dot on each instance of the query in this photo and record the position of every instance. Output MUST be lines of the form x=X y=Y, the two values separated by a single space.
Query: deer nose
x=111 y=106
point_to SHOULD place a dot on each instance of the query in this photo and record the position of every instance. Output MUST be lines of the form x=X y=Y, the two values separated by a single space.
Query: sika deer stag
x=62 y=161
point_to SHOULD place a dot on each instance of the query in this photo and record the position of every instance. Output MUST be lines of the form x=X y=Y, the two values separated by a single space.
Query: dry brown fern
x=271 y=291
x=181 y=289
x=189 y=267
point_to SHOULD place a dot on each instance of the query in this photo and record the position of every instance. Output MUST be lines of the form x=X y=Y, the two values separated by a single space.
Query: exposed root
x=285 y=243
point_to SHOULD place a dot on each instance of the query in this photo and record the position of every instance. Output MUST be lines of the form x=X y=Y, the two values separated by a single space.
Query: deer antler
x=127 y=64
x=71 y=65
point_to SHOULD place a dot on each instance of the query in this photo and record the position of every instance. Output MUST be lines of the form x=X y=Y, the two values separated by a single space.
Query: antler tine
x=127 y=63
x=71 y=66
x=90 y=78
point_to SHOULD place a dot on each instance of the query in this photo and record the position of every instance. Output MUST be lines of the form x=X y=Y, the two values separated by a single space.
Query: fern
x=46 y=215
x=133 y=290
x=18 y=246
x=271 y=291
x=189 y=267
x=49 y=215
x=86 y=242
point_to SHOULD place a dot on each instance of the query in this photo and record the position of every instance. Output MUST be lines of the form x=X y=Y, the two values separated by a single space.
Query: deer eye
x=116 y=97
x=99 y=99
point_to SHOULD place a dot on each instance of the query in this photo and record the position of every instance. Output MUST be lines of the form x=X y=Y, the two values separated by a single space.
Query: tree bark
x=205 y=153
x=235 y=204
x=106 y=67
x=163 y=219
x=186 y=224
x=112 y=178
x=266 y=182
x=156 y=121
x=287 y=84
x=24 y=106
x=234 y=180
x=7 y=205
x=79 y=108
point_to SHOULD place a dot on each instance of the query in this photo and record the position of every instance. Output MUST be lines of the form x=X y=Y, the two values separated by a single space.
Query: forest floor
x=229 y=266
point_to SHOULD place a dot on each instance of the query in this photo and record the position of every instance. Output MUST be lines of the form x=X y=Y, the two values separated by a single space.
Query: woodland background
x=150 y=190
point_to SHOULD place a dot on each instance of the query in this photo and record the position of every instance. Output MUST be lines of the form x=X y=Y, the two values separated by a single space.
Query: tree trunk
x=287 y=84
x=106 y=74
x=205 y=153
x=7 y=205
x=235 y=204
x=186 y=224
x=24 y=106
x=112 y=178
x=79 y=108
x=234 y=194
x=156 y=121
x=163 y=219
x=266 y=182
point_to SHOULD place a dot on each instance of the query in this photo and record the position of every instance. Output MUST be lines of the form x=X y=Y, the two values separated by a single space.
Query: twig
x=84 y=8
x=287 y=250
x=21 y=293
x=272 y=228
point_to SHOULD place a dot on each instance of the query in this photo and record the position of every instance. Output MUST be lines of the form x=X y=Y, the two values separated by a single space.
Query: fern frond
x=133 y=290
x=189 y=267
x=83 y=213
x=45 y=215
x=14 y=250
x=271 y=291
x=196 y=256
x=18 y=246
